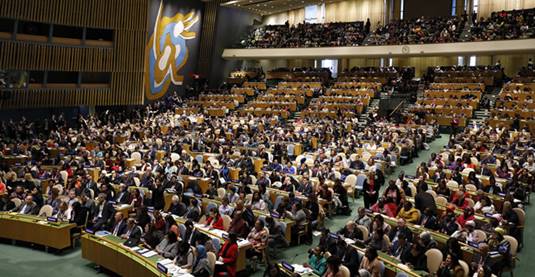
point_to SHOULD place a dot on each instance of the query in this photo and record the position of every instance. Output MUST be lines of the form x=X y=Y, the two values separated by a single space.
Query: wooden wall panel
x=207 y=37
x=44 y=98
x=127 y=19
x=17 y=55
x=107 y=14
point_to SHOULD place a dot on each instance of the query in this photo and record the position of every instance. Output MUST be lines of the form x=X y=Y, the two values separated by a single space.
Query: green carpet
x=25 y=261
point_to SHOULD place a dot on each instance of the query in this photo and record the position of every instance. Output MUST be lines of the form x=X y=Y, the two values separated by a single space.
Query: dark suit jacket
x=121 y=229
x=107 y=212
x=33 y=210
x=134 y=237
x=123 y=199
x=406 y=231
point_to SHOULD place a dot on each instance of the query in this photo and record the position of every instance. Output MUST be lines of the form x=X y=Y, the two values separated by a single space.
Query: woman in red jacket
x=215 y=220
x=228 y=256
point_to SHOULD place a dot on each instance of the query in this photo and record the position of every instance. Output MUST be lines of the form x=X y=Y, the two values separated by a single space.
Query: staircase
x=480 y=116
x=465 y=34
x=372 y=108
x=294 y=116
x=420 y=91
x=374 y=105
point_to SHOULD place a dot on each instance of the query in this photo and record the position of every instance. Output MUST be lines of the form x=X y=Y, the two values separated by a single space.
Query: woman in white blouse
x=484 y=205
x=256 y=202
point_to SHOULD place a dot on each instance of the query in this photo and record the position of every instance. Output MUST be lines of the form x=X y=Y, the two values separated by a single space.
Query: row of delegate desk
x=107 y=251
x=37 y=230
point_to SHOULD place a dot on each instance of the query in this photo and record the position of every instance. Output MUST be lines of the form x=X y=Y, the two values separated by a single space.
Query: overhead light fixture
x=230 y=2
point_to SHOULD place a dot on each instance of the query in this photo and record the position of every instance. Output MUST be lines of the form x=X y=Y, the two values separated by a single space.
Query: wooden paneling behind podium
x=123 y=59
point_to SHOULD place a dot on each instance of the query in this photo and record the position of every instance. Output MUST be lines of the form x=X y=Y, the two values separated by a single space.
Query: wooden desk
x=204 y=183
x=470 y=86
x=216 y=112
x=14 y=160
x=187 y=110
x=241 y=262
x=289 y=223
x=109 y=253
x=440 y=238
x=246 y=91
x=36 y=230
x=391 y=264
x=257 y=85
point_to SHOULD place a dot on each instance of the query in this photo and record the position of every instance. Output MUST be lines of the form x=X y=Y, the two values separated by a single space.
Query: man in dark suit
x=28 y=207
x=485 y=171
x=102 y=213
x=182 y=169
x=123 y=196
x=119 y=228
x=399 y=229
x=423 y=199
x=133 y=233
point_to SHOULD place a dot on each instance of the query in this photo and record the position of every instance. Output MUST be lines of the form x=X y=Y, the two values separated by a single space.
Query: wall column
x=208 y=31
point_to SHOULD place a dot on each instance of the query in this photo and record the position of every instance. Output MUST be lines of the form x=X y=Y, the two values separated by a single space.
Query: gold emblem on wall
x=166 y=52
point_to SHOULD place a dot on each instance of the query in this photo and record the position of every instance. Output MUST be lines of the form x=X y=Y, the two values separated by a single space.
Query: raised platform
x=437 y=49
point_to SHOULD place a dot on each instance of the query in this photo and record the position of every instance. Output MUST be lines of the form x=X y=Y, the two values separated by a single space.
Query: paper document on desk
x=218 y=232
x=101 y=234
x=143 y=251
x=349 y=241
x=243 y=243
x=166 y=262
x=180 y=272
x=150 y=254
x=301 y=269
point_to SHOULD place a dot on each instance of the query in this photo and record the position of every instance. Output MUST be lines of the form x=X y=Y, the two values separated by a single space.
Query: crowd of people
x=418 y=31
x=514 y=24
x=418 y=208
x=62 y=157
x=308 y=35
x=142 y=155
